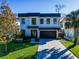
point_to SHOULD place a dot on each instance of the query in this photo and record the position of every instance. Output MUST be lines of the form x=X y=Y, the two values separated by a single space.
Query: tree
x=74 y=23
x=8 y=25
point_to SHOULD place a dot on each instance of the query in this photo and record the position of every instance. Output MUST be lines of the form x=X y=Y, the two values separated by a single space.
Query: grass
x=78 y=38
x=20 y=51
x=74 y=50
x=73 y=39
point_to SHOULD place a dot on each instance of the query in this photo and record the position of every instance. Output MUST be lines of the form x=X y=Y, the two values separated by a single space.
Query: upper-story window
x=55 y=20
x=41 y=21
x=23 y=20
x=33 y=21
x=48 y=20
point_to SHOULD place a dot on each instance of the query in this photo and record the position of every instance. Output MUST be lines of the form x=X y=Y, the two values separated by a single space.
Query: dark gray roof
x=39 y=14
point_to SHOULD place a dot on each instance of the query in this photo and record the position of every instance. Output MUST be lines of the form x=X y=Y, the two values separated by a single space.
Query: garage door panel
x=47 y=34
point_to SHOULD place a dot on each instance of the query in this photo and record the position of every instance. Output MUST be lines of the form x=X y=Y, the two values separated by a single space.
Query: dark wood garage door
x=47 y=34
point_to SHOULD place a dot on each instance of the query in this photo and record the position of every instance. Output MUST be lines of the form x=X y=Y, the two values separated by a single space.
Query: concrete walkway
x=53 y=49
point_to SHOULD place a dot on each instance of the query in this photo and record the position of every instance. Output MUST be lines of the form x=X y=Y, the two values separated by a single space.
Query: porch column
x=57 y=33
x=38 y=34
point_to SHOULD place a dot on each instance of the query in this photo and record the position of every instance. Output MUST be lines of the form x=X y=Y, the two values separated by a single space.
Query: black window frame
x=41 y=21
x=48 y=21
x=55 y=20
x=33 y=21
x=22 y=20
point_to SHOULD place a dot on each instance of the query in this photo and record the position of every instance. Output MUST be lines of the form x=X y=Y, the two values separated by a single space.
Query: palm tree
x=73 y=18
x=68 y=21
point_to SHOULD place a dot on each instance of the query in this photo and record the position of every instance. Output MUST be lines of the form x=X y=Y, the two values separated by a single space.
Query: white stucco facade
x=28 y=23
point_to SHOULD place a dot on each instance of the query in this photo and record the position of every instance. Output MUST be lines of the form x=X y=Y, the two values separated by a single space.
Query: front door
x=34 y=33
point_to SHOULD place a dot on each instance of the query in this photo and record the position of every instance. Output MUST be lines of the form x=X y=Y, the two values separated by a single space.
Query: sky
x=42 y=6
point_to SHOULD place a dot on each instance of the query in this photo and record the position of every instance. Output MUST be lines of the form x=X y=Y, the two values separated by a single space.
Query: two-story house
x=40 y=25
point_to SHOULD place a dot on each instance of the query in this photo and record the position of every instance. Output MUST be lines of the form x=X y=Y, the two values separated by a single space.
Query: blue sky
x=42 y=6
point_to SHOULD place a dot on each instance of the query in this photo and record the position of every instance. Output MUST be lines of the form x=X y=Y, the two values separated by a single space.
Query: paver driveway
x=53 y=49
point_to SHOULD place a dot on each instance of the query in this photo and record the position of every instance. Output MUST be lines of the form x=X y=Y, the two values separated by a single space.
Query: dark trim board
x=32 y=26
x=39 y=14
x=51 y=28
x=44 y=27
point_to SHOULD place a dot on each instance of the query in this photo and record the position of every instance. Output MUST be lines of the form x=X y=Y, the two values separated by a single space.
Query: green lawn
x=73 y=39
x=74 y=50
x=20 y=51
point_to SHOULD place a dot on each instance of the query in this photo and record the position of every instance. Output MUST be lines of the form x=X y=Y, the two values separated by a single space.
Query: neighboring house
x=62 y=21
x=69 y=32
x=18 y=22
x=39 y=25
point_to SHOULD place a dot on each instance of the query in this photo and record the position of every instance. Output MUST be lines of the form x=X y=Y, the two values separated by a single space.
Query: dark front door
x=34 y=33
x=47 y=34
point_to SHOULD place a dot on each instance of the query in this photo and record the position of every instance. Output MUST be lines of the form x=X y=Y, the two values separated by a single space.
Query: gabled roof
x=39 y=14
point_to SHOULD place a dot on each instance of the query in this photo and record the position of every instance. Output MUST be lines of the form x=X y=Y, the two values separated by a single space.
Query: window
x=34 y=21
x=22 y=32
x=23 y=20
x=48 y=21
x=41 y=21
x=61 y=25
x=55 y=20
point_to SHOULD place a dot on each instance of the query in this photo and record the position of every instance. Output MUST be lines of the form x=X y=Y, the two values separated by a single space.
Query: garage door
x=47 y=34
